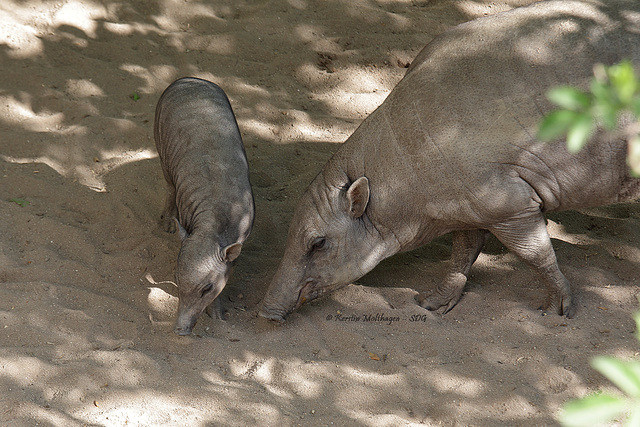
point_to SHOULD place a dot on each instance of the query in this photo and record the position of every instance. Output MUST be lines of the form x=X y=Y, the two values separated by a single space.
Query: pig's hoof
x=273 y=315
x=168 y=224
x=423 y=301
x=434 y=302
x=446 y=295
x=560 y=305
x=182 y=331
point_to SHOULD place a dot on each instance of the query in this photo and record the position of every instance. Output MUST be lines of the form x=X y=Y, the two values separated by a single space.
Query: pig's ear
x=231 y=252
x=183 y=233
x=358 y=197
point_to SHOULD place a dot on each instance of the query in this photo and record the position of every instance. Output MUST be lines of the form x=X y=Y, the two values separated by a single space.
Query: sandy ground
x=86 y=302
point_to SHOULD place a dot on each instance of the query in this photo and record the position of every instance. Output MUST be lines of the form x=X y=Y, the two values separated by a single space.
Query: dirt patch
x=86 y=302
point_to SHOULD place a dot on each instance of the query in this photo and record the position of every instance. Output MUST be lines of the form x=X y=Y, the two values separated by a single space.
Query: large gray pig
x=209 y=196
x=453 y=148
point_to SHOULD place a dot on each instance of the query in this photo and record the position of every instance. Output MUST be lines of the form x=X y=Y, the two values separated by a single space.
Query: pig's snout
x=184 y=325
x=182 y=330
x=278 y=305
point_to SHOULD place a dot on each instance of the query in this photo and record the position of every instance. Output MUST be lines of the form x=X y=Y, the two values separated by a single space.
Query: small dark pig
x=453 y=148
x=209 y=196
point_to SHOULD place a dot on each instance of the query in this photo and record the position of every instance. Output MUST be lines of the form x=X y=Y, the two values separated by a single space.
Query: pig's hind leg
x=466 y=247
x=528 y=238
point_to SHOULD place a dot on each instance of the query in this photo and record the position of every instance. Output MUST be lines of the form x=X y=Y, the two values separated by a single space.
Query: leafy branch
x=614 y=91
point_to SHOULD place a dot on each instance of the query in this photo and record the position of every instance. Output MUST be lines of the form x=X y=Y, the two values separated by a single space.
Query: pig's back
x=201 y=151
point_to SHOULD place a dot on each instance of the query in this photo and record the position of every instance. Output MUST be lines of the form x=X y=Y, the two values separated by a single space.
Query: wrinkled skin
x=209 y=198
x=453 y=149
x=319 y=250
x=202 y=273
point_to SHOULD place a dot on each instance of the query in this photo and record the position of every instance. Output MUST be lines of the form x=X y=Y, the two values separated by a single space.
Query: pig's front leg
x=465 y=250
x=215 y=310
x=170 y=211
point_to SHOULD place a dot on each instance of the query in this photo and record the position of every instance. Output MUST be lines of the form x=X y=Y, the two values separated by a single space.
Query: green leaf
x=556 y=124
x=135 y=96
x=592 y=410
x=635 y=107
x=601 y=90
x=636 y=317
x=569 y=98
x=607 y=112
x=623 y=81
x=579 y=132
x=20 y=202
x=634 y=366
x=619 y=372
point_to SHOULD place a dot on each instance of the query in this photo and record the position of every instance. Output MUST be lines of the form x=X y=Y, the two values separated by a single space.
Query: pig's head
x=202 y=273
x=331 y=243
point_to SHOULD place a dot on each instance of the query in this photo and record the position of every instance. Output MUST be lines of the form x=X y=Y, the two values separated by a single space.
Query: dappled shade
x=87 y=302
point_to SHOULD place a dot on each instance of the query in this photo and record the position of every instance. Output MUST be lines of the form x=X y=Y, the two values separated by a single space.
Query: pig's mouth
x=308 y=292
x=184 y=325
x=182 y=330
x=311 y=290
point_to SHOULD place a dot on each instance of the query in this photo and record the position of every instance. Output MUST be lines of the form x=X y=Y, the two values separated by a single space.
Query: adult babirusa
x=453 y=148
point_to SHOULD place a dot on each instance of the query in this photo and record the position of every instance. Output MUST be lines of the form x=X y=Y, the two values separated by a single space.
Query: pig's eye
x=206 y=289
x=317 y=244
